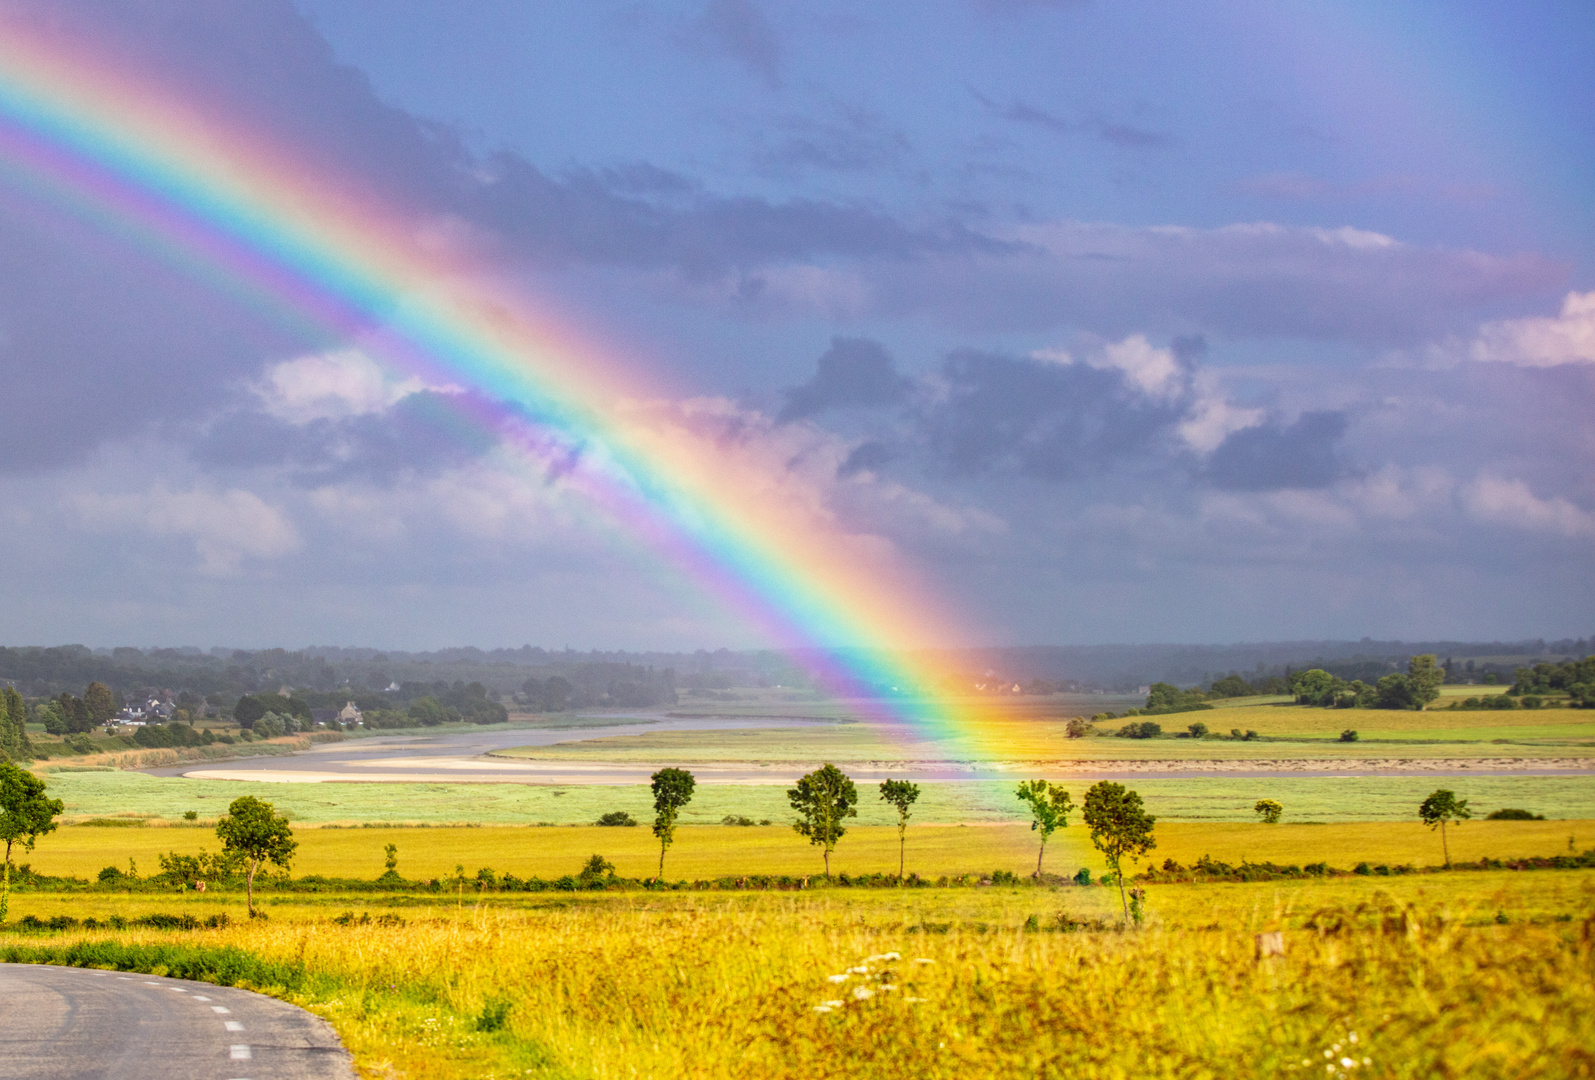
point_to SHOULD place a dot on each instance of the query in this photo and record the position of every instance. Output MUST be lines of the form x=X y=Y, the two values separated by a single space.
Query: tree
x=101 y=703
x=1439 y=808
x=1231 y=686
x=902 y=795
x=253 y=830
x=26 y=814
x=672 y=790
x=1425 y=676
x=1269 y=810
x=1394 y=691
x=248 y=710
x=78 y=719
x=1119 y=826
x=1050 y=807
x=14 y=742
x=1312 y=687
x=825 y=798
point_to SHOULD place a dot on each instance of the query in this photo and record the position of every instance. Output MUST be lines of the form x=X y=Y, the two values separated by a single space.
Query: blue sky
x=1116 y=321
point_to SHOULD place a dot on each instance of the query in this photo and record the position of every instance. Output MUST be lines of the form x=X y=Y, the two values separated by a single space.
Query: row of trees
x=1576 y=679
x=1414 y=690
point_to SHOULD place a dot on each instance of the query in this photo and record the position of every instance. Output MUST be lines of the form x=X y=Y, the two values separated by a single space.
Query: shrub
x=1513 y=814
x=1198 y=730
x=737 y=819
x=1348 y=735
x=1076 y=728
x=617 y=817
x=1143 y=729
x=1083 y=877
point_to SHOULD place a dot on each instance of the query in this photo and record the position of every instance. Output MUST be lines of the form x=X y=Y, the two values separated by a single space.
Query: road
x=69 y=1023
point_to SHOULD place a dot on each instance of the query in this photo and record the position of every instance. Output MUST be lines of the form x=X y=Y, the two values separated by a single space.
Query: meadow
x=709 y=852
x=160 y=801
x=1473 y=974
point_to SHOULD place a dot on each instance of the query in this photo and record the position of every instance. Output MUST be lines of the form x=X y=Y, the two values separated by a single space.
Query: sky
x=1096 y=322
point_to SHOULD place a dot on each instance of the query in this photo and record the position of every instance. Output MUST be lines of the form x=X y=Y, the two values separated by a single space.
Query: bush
x=1348 y=735
x=1143 y=729
x=1076 y=728
x=617 y=817
x=1083 y=877
x=1198 y=730
x=1513 y=814
x=737 y=819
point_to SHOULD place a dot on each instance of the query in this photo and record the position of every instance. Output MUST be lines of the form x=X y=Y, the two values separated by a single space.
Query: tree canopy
x=902 y=795
x=26 y=813
x=1050 y=807
x=253 y=830
x=823 y=799
x=672 y=790
x=1120 y=827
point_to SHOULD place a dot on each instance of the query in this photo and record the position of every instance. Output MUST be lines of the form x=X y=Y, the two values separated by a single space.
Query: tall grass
x=1470 y=975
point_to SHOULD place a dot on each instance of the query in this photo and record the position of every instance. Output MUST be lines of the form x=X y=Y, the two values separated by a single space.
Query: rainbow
x=270 y=226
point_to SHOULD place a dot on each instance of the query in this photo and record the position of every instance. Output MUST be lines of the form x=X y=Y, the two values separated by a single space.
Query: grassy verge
x=1468 y=975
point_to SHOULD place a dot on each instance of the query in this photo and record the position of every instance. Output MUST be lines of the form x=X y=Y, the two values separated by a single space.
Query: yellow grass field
x=1468 y=975
x=703 y=852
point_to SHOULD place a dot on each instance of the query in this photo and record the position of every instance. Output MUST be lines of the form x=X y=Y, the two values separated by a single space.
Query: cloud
x=1510 y=502
x=1301 y=187
x=853 y=373
x=1273 y=456
x=738 y=29
x=1566 y=338
x=227 y=527
x=1119 y=133
x=330 y=386
x=1048 y=417
x=1235 y=281
x=853 y=141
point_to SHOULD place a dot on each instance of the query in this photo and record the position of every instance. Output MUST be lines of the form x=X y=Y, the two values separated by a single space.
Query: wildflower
x=1347 y=1063
x=836 y=978
x=922 y=960
x=883 y=956
x=862 y=993
x=860 y=970
x=833 y=1004
x=822 y=1008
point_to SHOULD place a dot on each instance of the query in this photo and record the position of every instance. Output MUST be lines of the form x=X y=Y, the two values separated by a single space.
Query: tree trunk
x=827 y=864
x=661 y=877
x=1039 y=854
x=902 y=843
x=1444 y=846
x=5 y=894
x=1118 y=875
x=250 y=888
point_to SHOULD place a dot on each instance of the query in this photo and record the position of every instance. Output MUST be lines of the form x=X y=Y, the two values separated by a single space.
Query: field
x=1474 y=974
x=1218 y=797
x=1032 y=730
x=703 y=852
x=1465 y=973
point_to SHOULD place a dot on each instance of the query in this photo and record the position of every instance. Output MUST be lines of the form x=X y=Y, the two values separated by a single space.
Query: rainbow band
x=117 y=150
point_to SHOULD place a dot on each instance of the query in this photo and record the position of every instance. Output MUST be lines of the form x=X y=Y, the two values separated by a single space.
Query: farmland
x=1472 y=974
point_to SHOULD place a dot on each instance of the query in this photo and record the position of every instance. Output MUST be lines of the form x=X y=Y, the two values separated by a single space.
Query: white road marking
x=220 y=1009
x=198 y=997
x=240 y=1052
x=233 y=1025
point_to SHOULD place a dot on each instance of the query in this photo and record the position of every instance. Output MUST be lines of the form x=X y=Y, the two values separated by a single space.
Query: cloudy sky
x=1106 y=321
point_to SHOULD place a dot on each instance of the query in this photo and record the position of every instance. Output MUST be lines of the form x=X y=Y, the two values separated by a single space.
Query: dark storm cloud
x=1039 y=418
x=866 y=457
x=1275 y=456
x=422 y=434
x=853 y=372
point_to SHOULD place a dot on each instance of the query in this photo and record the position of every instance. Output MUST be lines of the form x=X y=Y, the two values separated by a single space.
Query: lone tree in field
x=902 y=795
x=672 y=790
x=252 y=830
x=1119 y=826
x=824 y=799
x=26 y=814
x=1050 y=807
x=1269 y=811
x=1441 y=807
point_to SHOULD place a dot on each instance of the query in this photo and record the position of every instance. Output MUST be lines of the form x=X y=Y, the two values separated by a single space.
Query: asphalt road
x=68 y=1023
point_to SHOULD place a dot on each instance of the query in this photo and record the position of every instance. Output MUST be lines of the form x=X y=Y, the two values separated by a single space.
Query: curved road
x=66 y=1023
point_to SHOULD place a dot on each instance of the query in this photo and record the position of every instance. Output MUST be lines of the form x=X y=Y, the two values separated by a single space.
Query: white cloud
x=1566 y=338
x=331 y=386
x=227 y=526
x=1511 y=502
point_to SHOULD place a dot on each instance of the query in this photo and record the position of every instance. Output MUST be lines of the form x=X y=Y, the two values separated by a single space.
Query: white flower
x=860 y=970
x=922 y=960
x=836 y=978
x=822 y=1008
x=883 y=956
x=836 y=1004
x=862 y=993
x=1351 y=1037
x=1347 y=1063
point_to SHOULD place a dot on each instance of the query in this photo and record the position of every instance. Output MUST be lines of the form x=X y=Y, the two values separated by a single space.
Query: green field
x=1218 y=797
